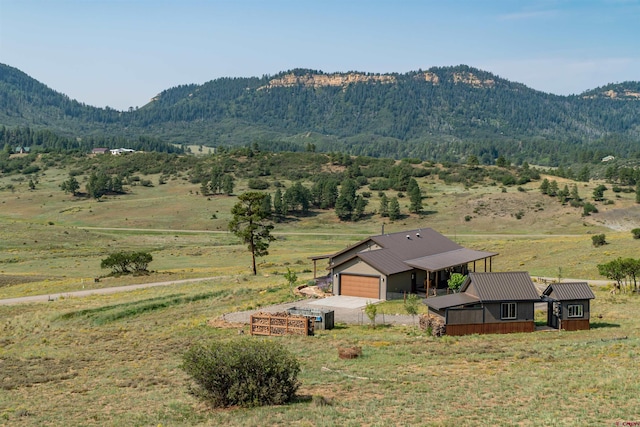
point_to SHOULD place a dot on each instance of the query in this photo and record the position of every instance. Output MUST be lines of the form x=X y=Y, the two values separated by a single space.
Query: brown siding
x=360 y=286
x=576 y=325
x=490 y=328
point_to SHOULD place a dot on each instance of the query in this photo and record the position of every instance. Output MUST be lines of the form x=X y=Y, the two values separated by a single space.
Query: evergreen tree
x=228 y=184
x=266 y=205
x=574 y=193
x=394 y=209
x=384 y=206
x=598 y=193
x=544 y=186
x=415 y=196
x=563 y=194
x=70 y=186
x=346 y=202
x=358 y=211
x=584 y=174
x=278 y=205
x=250 y=223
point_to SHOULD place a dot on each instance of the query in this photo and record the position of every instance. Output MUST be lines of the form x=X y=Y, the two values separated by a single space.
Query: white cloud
x=527 y=15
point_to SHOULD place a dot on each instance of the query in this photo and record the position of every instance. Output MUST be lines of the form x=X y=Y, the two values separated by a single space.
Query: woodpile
x=349 y=352
x=434 y=324
x=281 y=323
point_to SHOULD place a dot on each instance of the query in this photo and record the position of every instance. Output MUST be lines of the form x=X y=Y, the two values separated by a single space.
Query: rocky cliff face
x=320 y=80
x=345 y=79
x=472 y=80
x=624 y=94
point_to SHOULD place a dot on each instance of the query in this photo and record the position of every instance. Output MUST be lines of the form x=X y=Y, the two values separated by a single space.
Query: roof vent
x=408 y=237
x=417 y=234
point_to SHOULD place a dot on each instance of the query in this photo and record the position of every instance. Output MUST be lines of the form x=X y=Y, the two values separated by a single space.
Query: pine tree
x=384 y=206
x=278 y=205
x=544 y=186
x=228 y=184
x=394 y=209
x=574 y=193
x=250 y=223
x=415 y=196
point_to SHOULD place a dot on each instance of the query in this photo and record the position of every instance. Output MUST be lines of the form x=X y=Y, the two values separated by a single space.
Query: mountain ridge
x=443 y=113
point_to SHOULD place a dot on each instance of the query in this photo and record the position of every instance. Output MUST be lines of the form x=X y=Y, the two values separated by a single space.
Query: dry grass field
x=115 y=359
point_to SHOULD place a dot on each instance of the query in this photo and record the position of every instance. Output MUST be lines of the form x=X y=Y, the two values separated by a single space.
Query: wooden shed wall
x=576 y=325
x=490 y=328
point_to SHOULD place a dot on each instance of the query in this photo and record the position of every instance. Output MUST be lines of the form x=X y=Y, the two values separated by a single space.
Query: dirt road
x=103 y=291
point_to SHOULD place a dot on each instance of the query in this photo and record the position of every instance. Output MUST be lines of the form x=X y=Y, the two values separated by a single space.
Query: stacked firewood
x=431 y=323
x=281 y=323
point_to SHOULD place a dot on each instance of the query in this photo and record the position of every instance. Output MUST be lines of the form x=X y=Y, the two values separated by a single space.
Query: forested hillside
x=443 y=114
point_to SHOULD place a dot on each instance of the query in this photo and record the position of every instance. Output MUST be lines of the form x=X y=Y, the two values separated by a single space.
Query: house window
x=508 y=311
x=575 y=310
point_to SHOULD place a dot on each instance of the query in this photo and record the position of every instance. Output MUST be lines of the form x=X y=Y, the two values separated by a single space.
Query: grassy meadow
x=115 y=359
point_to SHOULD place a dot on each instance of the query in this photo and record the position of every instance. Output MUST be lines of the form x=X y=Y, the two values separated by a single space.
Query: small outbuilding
x=568 y=305
x=488 y=303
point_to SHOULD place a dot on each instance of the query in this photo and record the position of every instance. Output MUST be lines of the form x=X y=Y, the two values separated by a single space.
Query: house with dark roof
x=488 y=303
x=389 y=266
x=568 y=305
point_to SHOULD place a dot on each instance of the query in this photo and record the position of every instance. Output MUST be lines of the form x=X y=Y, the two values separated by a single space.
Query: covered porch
x=438 y=269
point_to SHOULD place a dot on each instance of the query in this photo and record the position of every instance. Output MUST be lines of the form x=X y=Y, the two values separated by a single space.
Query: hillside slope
x=444 y=113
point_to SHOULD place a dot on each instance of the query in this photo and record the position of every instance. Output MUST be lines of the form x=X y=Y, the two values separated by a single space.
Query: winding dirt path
x=102 y=291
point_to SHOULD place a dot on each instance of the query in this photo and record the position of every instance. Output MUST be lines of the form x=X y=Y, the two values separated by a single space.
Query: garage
x=360 y=286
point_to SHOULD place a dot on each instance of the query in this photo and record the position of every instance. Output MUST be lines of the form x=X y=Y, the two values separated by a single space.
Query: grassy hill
x=115 y=360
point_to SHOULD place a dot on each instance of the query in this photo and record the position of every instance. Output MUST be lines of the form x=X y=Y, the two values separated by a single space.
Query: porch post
x=428 y=283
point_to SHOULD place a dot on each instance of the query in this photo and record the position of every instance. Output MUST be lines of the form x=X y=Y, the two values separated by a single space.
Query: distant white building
x=608 y=158
x=118 y=151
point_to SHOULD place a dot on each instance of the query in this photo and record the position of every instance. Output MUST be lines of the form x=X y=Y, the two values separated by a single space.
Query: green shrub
x=599 y=240
x=455 y=281
x=636 y=233
x=258 y=184
x=127 y=262
x=245 y=372
x=371 y=310
x=588 y=209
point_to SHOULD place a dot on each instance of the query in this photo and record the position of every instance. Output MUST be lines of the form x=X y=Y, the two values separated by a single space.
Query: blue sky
x=121 y=53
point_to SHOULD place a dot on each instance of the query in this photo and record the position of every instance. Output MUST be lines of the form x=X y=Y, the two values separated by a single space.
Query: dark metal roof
x=416 y=243
x=449 y=259
x=503 y=286
x=453 y=300
x=422 y=248
x=384 y=261
x=569 y=291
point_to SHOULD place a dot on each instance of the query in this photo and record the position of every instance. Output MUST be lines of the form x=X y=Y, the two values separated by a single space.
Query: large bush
x=127 y=262
x=245 y=372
